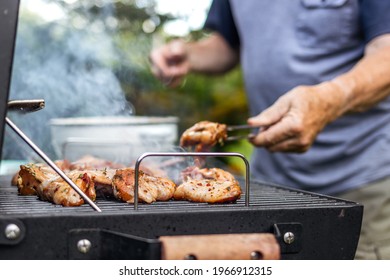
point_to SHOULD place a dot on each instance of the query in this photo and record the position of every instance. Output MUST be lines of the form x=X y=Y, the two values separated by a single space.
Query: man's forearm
x=369 y=81
x=212 y=55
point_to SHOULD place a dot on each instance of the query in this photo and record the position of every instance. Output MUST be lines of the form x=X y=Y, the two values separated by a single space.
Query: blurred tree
x=96 y=56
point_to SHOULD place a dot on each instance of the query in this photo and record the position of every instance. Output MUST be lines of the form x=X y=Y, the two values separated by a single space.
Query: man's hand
x=169 y=63
x=296 y=118
x=173 y=61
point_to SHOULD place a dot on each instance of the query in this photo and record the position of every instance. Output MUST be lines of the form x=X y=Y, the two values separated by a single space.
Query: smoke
x=69 y=65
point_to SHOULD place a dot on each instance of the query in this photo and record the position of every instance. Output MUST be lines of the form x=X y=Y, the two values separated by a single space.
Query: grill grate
x=313 y=218
x=262 y=196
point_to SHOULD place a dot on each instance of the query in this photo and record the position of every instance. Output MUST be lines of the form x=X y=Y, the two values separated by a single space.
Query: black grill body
x=323 y=227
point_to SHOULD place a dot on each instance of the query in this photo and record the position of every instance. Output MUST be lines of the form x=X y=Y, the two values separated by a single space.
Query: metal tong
x=233 y=128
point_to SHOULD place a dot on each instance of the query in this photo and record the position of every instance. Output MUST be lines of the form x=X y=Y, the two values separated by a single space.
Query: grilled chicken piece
x=58 y=191
x=151 y=188
x=43 y=181
x=44 y=169
x=103 y=181
x=203 y=135
x=212 y=185
x=196 y=173
x=31 y=176
x=209 y=191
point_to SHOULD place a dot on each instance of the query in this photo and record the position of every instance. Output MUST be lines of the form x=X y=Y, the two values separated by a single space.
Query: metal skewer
x=181 y=154
x=52 y=164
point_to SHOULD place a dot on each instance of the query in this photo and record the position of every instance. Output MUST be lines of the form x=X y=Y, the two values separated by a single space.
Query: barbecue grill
x=303 y=225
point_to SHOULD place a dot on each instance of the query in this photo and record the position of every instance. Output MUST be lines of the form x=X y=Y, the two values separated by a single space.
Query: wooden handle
x=220 y=247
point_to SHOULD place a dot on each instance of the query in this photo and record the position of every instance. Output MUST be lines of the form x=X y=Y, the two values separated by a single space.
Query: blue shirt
x=284 y=44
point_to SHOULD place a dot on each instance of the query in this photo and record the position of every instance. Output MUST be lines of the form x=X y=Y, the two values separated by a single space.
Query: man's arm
x=369 y=81
x=212 y=55
x=296 y=118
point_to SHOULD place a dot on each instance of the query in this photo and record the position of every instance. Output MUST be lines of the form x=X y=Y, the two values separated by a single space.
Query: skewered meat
x=212 y=185
x=150 y=188
x=203 y=135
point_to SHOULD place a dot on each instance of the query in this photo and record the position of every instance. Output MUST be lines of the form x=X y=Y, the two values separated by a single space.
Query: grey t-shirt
x=284 y=44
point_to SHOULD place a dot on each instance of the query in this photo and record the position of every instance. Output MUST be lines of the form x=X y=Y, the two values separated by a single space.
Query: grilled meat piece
x=44 y=169
x=204 y=135
x=150 y=188
x=103 y=181
x=196 y=173
x=212 y=185
x=41 y=180
x=209 y=191
x=30 y=176
x=58 y=191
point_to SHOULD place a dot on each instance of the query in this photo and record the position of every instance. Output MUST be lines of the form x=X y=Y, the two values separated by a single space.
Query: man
x=317 y=75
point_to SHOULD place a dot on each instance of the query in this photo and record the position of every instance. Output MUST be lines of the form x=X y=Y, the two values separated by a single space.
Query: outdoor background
x=90 y=58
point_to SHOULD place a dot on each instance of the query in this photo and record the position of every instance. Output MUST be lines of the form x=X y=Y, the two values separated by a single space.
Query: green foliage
x=118 y=27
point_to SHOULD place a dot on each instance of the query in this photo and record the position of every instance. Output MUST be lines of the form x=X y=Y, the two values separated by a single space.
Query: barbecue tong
x=233 y=128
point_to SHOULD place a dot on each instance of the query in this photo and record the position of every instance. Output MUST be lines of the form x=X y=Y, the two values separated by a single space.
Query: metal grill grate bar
x=262 y=197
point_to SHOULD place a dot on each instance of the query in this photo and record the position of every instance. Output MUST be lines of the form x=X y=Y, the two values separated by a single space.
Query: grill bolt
x=256 y=255
x=12 y=232
x=289 y=237
x=190 y=257
x=84 y=245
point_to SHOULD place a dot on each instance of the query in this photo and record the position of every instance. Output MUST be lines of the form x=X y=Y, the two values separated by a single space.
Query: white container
x=120 y=139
